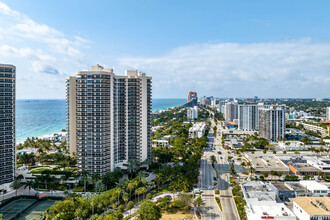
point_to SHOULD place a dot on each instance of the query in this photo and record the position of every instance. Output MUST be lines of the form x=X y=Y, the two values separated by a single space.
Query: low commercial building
x=292 y=145
x=266 y=163
x=299 y=189
x=316 y=188
x=197 y=130
x=303 y=169
x=160 y=143
x=283 y=191
x=312 y=208
x=261 y=202
x=320 y=162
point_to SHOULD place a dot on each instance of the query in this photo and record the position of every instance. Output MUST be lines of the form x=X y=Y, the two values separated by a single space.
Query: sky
x=274 y=48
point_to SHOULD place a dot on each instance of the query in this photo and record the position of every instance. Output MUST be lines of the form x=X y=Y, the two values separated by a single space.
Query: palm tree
x=29 y=184
x=84 y=175
x=99 y=187
x=16 y=185
x=118 y=191
x=198 y=202
x=140 y=191
x=19 y=177
x=132 y=166
x=125 y=197
x=158 y=181
x=131 y=187
x=149 y=161
x=96 y=177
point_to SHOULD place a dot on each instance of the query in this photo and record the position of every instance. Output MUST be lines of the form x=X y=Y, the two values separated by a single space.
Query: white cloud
x=284 y=69
x=42 y=54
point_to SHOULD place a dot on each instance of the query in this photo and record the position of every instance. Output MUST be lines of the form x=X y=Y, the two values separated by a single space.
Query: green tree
x=29 y=184
x=149 y=211
x=130 y=205
x=213 y=160
x=198 y=202
x=16 y=185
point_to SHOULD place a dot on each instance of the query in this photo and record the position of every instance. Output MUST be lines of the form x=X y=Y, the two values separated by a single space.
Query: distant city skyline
x=215 y=48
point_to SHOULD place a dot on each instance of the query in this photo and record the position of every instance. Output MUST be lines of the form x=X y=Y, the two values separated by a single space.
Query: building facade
x=328 y=113
x=248 y=116
x=7 y=125
x=231 y=111
x=192 y=113
x=191 y=95
x=272 y=123
x=109 y=118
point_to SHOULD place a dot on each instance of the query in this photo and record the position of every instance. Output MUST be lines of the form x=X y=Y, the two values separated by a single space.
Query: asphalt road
x=227 y=202
x=211 y=209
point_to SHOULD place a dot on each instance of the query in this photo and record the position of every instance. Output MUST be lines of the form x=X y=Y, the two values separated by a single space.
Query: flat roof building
x=312 y=208
x=266 y=163
x=303 y=169
x=261 y=202
x=316 y=188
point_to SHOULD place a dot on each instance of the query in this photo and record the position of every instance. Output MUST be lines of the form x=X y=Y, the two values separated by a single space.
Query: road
x=211 y=209
x=227 y=202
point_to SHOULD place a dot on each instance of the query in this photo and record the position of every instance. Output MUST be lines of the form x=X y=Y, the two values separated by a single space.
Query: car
x=219 y=152
x=220 y=157
x=168 y=196
x=214 y=178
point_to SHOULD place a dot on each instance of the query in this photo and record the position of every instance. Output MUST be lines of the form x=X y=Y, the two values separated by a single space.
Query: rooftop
x=314 y=205
x=297 y=187
x=304 y=167
x=313 y=185
x=281 y=186
x=267 y=162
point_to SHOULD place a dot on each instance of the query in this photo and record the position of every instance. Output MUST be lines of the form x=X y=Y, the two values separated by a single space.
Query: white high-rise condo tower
x=248 y=116
x=7 y=125
x=108 y=118
x=328 y=114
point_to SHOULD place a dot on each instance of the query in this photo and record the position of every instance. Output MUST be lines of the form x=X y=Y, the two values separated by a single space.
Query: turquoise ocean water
x=35 y=118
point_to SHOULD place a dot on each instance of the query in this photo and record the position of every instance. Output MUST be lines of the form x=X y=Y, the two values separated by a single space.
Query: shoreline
x=51 y=134
x=42 y=136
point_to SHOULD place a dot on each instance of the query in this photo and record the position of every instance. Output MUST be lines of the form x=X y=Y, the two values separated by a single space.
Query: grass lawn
x=176 y=216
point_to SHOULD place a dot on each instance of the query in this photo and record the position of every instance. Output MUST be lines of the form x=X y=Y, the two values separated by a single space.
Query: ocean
x=35 y=118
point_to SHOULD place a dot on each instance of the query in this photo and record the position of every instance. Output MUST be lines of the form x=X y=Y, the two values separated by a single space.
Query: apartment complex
x=248 y=116
x=108 y=118
x=314 y=128
x=231 y=111
x=7 y=124
x=272 y=123
x=328 y=113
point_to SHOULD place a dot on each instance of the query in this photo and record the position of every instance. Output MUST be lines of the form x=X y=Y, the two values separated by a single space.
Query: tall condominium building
x=231 y=111
x=221 y=107
x=192 y=113
x=7 y=124
x=272 y=123
x=191 y=95
x=108 y=118
x=328 y=113
x=248 y=116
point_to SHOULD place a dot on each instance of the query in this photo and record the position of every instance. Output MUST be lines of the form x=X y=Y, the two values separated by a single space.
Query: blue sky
x=220 y=48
